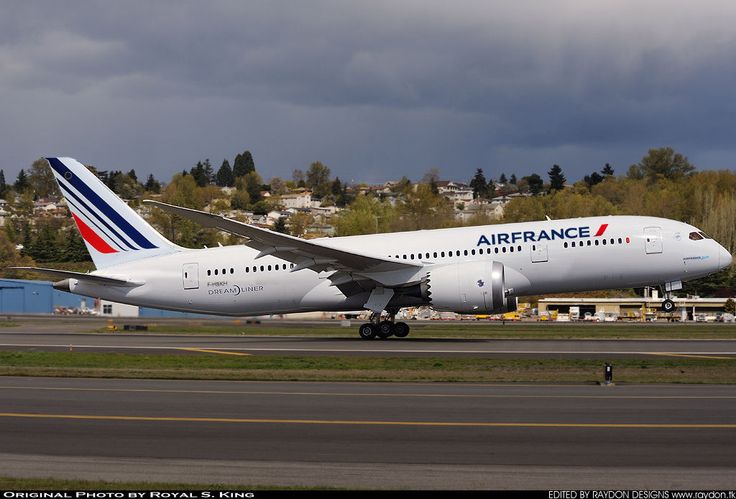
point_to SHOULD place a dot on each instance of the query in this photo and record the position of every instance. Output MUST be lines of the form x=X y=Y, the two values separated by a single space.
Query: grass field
x=489 y=330
x=355 y=368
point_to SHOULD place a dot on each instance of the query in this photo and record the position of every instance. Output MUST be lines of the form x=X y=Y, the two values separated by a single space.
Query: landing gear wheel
x=385 y=329
x=668 y=306
x=368 y=331
x=401 y=329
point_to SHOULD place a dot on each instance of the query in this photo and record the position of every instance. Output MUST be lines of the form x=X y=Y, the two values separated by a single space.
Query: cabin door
x=539 y=252
x=653 y=240
x=190 y=275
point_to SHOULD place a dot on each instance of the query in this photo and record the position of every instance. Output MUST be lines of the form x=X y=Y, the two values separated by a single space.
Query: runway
x=386 y=435
x=295 y=345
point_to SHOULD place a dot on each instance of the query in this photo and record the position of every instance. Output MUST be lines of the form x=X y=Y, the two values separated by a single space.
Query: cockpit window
x=696 y=236
x=704 y=235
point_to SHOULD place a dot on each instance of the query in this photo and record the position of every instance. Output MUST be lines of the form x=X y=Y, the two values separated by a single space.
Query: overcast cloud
x=375 y=90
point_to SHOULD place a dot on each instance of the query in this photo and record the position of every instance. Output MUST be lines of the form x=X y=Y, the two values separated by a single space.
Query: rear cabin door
x=653 y=240
x=539 y=252
x=190 y=275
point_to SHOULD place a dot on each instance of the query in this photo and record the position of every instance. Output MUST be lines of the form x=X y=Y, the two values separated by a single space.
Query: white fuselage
x=539 y=257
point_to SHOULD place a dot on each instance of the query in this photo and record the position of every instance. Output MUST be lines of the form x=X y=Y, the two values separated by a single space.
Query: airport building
x=20 y=296
x=634 y=309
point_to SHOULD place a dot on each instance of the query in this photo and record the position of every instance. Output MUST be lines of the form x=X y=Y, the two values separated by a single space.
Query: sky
x=374 y=90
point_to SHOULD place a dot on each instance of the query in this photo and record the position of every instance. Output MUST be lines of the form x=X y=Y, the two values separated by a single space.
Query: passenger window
x=269 y=268
x=465 y=252
x=209 y=272
x=620 y=241
x=504 y=249
x=215 y=271
x=247 y=269
x=412 y=256
x=232 y=270
x=596 y=242
x=262 y=268
x=572 y=244
x=511 y=249
x=604 y=242
x=696 y=236
x=589 y=243
x=435 y=254
x=472 y=252
x=565 y=245
x=495 y=250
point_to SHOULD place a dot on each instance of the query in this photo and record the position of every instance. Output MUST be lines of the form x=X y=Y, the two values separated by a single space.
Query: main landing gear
x=382 y=329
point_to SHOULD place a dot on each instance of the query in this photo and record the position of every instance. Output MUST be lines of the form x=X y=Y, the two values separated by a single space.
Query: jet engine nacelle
x=469 y=288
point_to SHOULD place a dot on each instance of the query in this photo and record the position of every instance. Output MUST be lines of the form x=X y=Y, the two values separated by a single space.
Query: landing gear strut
x=668 y=305
x=383 y=329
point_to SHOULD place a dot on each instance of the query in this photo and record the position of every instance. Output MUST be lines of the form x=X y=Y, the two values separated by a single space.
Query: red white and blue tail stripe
x=113 y=232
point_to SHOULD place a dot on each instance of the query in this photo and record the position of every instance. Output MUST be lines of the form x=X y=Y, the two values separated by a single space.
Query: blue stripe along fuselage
x=69 y=194
x=101 y=205
x=88 y=220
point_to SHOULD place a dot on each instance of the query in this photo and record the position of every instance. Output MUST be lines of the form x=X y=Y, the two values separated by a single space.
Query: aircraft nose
x=724 y=257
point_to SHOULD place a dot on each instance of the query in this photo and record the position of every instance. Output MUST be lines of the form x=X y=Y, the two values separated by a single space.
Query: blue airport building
x=20 y=296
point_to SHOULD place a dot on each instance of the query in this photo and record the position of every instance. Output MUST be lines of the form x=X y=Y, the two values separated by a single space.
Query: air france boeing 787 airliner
x=476 y=270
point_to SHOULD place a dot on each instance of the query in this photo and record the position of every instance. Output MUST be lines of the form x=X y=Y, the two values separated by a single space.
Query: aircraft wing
x=81 y=276
x=305 y=254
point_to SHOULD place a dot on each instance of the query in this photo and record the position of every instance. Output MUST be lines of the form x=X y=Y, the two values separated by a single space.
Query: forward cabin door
x=190 y=275
x=539 y=252
x=653 y=240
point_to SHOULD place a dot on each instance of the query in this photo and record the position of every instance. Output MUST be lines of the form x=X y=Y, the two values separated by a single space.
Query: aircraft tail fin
x=113 y=232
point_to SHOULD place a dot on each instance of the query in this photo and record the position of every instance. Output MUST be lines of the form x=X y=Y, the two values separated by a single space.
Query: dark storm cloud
x=375 y=90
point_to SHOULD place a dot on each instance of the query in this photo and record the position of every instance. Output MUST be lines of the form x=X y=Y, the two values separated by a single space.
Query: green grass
x=479 y=330
x=9 y=483
x=359 y=368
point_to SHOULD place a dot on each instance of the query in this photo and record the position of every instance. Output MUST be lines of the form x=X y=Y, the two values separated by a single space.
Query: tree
x=535 y=183
x=152 y=185
x=607 y=170
x=431 y=177
x=479 y=185
x=133 y=175
x=243 y=164
x=21 y=182
x=593 y=179
x=280 y=225
x=318 y=179
x=365 y=215
x=278 y=186
x=297 y=177
x=299 y=222
x=512 y=180
x=502 y=179
x=556 y=178
x=730 y=306
x=225 y=176
x=3 y=185
x=663 y=163
x=41 y=179
x=252 y=183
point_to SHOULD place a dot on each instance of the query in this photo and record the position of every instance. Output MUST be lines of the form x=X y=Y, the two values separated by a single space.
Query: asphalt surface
x=383 y=435
x=294 y=345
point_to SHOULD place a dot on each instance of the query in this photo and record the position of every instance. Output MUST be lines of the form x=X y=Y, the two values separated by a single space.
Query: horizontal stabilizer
x=80 y=276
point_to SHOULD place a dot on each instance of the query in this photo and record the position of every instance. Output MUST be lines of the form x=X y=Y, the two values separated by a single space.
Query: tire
x=668 y=306
x=401 y=329
x=367 y=331
x=385 y=329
